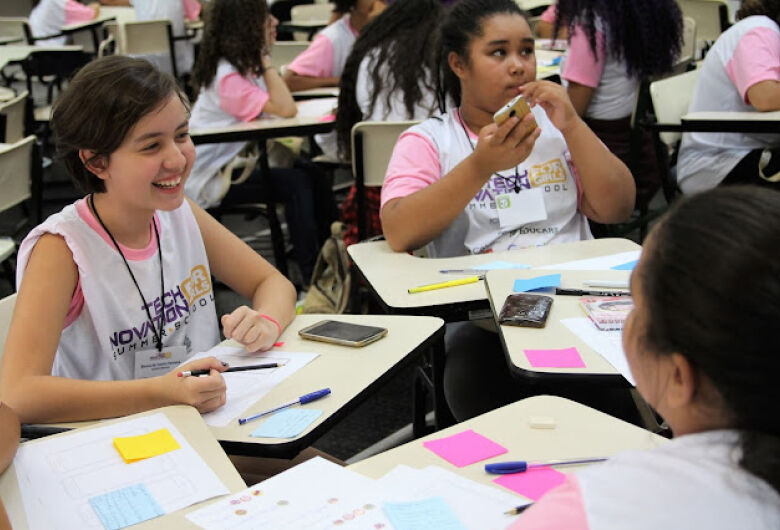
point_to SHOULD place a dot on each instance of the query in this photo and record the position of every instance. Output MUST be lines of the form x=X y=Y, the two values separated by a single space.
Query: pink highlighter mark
x=465 y=448
x=565 y=358
x=532 y=483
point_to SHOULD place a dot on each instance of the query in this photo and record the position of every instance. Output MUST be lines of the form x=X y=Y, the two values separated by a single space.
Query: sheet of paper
x=596 y=264
x=134 y=448
x=427 y=514
x=125 y=507
x=316 y=107
x=57 y=476
x=287 y=423
x=316 y=494
x=539 y=282
x=608 y=344
x=465 y=448
x=564 y=358
x=628 y=266
x=245 y=388
x=500 y=265
x=533 y=483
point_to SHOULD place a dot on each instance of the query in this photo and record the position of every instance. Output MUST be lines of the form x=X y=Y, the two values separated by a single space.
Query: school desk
x=352 y=374
x=92 y=26
x=190 y=425
x=10 y=40
x=321 y=92
x=554 y=335
x=14 y=53
x=735 y=122
x=310 y=27
x=390 y=274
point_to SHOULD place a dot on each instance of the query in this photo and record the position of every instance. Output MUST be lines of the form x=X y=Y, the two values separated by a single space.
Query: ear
x=97 y=165
x=457 y=65
x=683 y=382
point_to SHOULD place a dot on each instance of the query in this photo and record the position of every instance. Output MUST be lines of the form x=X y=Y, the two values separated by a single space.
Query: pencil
x=233 y=369
x=519 y=509
x=443 y=285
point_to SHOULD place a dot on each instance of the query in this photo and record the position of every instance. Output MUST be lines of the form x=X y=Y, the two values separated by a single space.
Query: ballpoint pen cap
x=315 y=395
x=505 y=468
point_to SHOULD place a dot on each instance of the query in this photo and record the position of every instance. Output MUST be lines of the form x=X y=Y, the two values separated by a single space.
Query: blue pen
x=306 y=398
x=505 y=468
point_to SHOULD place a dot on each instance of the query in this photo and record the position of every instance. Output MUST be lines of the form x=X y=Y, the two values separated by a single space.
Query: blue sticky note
x=629 y=266
x=125 y=507
x=288 y=423
x=540 y=282
x=427 y=514
x=500 y=265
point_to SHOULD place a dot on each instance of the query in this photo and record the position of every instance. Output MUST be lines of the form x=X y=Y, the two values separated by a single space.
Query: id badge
x=518 y=209
x=151 y=363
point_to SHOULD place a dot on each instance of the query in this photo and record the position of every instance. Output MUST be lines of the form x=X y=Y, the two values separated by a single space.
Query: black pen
x=234 y=369
x=518 y=509
x=584 y=292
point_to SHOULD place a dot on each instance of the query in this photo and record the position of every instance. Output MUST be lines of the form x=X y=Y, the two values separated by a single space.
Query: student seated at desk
x=388 y=77
x=176 y=11
x=9 y=441
x=49 y=16
x=446 y=174
x=740 y=73
x=116 y=290
x=702 y=345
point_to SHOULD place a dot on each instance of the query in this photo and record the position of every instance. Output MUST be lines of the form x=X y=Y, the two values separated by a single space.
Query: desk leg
x=277 y=237
x=433 y=383
x=444 y=417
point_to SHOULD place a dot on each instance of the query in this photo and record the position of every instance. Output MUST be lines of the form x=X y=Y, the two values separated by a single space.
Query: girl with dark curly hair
x=614 y=45
x=388 y=77
x=740 y=73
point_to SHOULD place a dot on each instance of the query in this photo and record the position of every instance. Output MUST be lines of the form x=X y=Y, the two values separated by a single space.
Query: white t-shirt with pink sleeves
x=428 y=151
x=693 y=481
x=49 y=16
x=107 y=323
x=745 y=54
x=229 y=99
x=614 y=92
x=328 y=52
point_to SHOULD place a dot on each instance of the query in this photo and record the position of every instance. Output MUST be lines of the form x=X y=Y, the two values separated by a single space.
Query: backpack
x=331 y=281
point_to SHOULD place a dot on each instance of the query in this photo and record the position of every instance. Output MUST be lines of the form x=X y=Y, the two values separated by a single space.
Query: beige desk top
x=14 y=53
x=554 y=335
x=392 y=273
x=97 y=21
x=580 y=432
x=261 y=125
x=191 y=426
x=733 y=116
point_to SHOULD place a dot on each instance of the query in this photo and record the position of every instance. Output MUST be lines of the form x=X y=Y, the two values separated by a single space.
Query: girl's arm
x=765 y=95
x=233 y=262
x=608 y=190
x=297 y=82
x=280 y=101
x=580 y=96
x=410 y=222
x=25 y=376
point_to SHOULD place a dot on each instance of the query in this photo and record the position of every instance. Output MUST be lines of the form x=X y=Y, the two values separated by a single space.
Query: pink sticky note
x=565 y=358
x=532 y=483
x=328 y=118
x=465 y=448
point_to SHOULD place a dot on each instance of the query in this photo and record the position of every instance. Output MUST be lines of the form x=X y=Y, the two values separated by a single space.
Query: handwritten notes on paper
x=425 y=514
x=562 y=358
x=465 y=448
x=540 y=282
x=124 y=507
x=135 y=448
x=288 y=423
x=532 y=483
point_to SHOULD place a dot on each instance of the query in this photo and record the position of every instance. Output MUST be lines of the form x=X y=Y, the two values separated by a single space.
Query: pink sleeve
x=75 y=12
x=191 y=9
x=316 y=60
x=75 y=307
x=581 y=66
x=756 y=59
x=413 y=166
x=549 y=14
x=241 y=98
x=560 y=509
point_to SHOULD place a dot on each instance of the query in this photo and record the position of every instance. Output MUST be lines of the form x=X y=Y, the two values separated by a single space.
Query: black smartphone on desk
x=343 y=333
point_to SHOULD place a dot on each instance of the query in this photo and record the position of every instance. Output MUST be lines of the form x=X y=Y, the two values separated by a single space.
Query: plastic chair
x=14 y=113
x=16 y=181
x=711 y=16
x=6 y=311
x=309 y=13
x=148 y=37
x=283 y=53
x=16 y=27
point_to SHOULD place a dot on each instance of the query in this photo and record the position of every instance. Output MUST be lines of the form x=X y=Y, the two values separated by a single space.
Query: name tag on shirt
x=518 y=209
x=151 y=363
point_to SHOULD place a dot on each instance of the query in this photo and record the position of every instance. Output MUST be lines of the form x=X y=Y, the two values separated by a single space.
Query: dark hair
x=401 y=41
x=342 y=7
x=462 y=24
x=769 y=8
x=711 y=281
x=646 y=34
x=233 y=30
x=100 y=106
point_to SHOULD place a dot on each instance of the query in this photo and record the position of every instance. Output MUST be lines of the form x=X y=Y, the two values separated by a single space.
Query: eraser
x=541 y=422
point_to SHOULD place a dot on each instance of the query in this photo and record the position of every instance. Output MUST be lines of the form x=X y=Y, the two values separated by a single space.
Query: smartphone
x=525 y=310
x=517 y=107
x=343 y=333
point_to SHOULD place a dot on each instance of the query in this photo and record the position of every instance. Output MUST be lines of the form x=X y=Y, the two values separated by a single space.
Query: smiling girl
x=115 y=290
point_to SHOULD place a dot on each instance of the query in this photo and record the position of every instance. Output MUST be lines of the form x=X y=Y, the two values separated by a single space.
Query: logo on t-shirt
x=550 y=172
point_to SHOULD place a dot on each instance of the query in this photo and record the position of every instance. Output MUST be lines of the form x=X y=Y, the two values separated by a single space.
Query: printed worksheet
x=599 y=263
x=609 y=344
x=245 y=388
x=65 y=481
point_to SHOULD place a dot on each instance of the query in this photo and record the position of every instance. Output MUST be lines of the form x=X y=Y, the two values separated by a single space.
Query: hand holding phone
x=517 y=107
x=343 y=333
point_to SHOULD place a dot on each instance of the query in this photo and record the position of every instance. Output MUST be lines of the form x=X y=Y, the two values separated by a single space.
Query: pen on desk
x=442 y=285
x=589 y=292
x=306 y=398
x=518 y=509
x=607 y=283
x=463 y=271
x=520 y=466
x=232 y=369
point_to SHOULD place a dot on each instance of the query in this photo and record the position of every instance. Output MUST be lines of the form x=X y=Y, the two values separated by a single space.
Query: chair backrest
x=671 y=98
x=6 y=311
x=283 y=52
x=147 y=37
x=15 y=112
x=711 y=16
x=16 y=27
x=309 y=13
x=16 y=172
x=372 y=147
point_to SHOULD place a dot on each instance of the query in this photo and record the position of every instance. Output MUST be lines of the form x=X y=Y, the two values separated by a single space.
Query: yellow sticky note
x=135 y=448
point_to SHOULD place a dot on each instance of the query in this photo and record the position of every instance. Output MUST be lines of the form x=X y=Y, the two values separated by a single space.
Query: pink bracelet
x=272 y=319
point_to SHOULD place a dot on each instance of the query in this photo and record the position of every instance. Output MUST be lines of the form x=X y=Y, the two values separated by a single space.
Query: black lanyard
x=157 y=336
x=512 y=181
